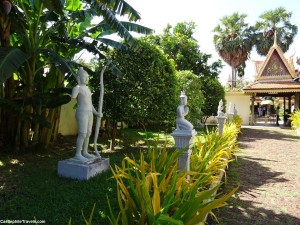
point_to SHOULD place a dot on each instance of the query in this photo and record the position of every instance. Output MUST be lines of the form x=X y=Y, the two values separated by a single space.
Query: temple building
x=275 y=79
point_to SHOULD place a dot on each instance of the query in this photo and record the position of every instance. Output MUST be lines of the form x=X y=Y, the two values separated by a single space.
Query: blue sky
x=156 y=14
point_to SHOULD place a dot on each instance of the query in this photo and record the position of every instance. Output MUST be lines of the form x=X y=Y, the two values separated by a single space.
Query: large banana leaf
x=55 y=5
x=50 y=100
x=122 y=8
x=103 y=29
x=113 y=43
x=10 y=105
x=10 y=61
x=114 y=69
x=114 y=23
x=136 y=28
x=63 y=65
x=18 y=111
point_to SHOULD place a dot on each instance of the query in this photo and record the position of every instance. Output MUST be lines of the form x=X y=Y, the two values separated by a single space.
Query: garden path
x=268 y=172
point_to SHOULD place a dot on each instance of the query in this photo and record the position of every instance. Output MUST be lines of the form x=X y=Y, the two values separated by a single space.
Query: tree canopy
x=193 y=86
x=213 y=92
x=147 y=89
x=277 y=20
x=178 y=43
x=183 y=48
x=233 y=41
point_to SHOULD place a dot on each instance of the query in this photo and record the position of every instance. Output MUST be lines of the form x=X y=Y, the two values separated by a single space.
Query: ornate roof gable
x=275 y=67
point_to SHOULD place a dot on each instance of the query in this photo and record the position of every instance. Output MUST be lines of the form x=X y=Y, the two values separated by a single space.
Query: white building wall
x=67 y=122
x=242 y=104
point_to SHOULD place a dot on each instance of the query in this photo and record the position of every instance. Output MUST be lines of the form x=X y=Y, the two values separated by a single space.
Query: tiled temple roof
x=274 y=75
x=273 y=87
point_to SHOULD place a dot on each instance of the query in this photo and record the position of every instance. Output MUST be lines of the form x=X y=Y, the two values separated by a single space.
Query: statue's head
x=82 y=76
x=183 y=98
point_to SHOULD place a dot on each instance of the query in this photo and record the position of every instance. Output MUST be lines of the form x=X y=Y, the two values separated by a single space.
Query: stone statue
x=229 y=108
x=84 y=116
x=182 y=111
x=220 y=108
x=235 y=112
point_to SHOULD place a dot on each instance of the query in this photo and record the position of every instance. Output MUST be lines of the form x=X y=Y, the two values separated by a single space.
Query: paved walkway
x=268 y=171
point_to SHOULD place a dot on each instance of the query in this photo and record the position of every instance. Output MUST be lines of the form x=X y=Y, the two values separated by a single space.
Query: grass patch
x=30 y=187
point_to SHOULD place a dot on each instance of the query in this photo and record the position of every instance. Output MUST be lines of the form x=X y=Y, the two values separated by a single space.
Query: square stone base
x=77 y=170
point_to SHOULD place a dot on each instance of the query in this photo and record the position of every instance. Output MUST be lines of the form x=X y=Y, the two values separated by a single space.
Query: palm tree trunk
x=233 y=77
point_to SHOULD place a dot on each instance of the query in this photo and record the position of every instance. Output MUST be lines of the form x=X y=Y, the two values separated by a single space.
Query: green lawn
x=30 y=187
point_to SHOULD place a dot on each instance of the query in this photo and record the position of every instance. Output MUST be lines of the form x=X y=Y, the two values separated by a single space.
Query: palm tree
x=274 y=20
x=46 y=36
x=233 y=41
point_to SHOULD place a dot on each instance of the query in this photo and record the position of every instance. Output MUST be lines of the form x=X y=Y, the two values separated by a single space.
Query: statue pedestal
x=221 y=122
x=77 y=170
x=184 y=140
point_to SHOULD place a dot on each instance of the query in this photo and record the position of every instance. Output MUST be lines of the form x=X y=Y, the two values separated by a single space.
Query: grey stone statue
x=235 y=112
x=182 y=111
x=220 y=108
x=84 y=116
x=229 y=109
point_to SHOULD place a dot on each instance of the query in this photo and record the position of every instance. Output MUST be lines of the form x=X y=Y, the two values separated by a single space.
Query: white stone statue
x=84 y=116
x=235 y=112
x=182 y=111
x=220 y=108
x=229 y=108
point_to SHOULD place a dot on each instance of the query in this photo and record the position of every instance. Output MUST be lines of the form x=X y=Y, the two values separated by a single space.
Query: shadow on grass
x=251 y=176
x=30 y=187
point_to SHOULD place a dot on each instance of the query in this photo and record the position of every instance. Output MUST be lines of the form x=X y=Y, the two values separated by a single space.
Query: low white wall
x=242 y=104
x=67 y=122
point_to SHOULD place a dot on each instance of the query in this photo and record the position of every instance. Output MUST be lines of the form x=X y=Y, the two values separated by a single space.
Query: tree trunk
x=9 y=119
x=46 y=133
x=233 y=73
x=25 y=133
x=37 y=126
x=56 y=121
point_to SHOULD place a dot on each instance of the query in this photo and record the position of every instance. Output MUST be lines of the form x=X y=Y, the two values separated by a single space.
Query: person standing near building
x=277 y=115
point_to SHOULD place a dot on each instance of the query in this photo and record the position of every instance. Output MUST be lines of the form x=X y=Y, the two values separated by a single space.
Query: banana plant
x=45 y=37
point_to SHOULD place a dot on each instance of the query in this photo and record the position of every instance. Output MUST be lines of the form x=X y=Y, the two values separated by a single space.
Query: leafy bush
x=237 y=120
x=212 y=154
x=151 y=191
x=295 y=118
x=191 y=83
